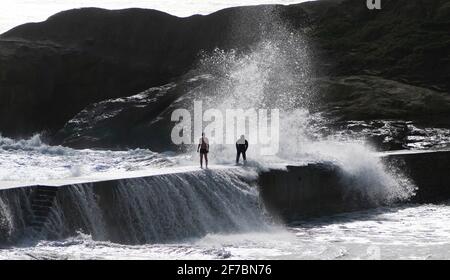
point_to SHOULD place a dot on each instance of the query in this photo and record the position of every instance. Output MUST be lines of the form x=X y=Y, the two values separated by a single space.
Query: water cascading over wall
x=15 y=209
x=156 y=209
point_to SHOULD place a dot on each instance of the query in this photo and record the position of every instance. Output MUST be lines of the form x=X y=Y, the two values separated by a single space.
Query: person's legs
x=243 y=156
x=206 y=159
x=201 y=160
x=238 y=154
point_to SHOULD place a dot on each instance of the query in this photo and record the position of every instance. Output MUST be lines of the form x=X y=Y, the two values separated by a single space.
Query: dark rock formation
x=405 y=40
x=357 y=107
x=370 y=97
x=51 y=71
x=141 y=120
x=388 y=135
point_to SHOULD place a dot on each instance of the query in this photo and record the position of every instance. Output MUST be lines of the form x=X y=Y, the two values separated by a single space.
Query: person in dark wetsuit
x=203 y=147
x=241 y=148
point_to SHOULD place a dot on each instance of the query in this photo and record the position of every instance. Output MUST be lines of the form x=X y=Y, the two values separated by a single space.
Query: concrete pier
x=430 y=171
x=318 y=189
x=292 y=193
x=139 y=207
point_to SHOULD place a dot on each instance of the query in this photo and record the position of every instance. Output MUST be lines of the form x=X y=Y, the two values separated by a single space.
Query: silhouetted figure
x=203 y=146
x=182 y=147
x=241 y=148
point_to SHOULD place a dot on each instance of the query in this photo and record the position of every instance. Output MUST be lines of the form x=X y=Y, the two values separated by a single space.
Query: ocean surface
x=217 y=214
x=236 y=227
x=406 y=232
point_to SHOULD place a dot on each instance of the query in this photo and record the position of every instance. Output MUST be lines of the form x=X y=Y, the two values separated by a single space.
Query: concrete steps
x=42 y=202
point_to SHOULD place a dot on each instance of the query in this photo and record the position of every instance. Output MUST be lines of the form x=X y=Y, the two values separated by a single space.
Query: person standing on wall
x=241 y=148
x=203 y=147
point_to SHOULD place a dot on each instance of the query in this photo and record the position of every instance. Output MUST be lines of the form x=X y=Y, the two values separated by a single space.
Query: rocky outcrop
x=51 y=71
x=387 y=135
x=405 y=41
x=367 y=108
x=363 y=97
x=132 y=121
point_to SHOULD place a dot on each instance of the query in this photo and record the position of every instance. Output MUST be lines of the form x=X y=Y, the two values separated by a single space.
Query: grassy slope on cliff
x=405 y=40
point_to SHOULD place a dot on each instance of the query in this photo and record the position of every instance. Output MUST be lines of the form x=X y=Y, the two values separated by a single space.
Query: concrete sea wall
x=186 y=204
x=318 y=188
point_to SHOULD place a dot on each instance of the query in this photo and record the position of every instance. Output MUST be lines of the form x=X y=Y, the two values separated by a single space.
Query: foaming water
x=29 y=160
x=5 y=219
x=409 y=232
x=363 y=172
x=276 y=73
x=163 y=208
x=217 y=213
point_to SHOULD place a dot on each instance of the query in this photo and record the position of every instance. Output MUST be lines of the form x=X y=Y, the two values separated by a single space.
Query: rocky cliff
x=50 y=71
x=68 y=65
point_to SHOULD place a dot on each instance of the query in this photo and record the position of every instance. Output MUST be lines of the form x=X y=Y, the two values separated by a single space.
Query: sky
x=16 y=12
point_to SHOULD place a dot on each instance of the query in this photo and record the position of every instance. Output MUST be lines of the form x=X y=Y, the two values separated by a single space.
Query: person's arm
x=246 y=145
x=199 y=145
x=237 y=147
